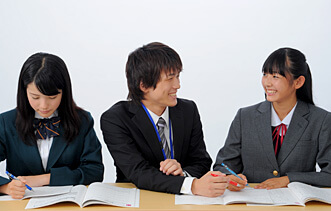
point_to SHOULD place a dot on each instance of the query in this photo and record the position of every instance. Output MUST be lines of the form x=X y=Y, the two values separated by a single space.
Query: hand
x=235 y=180
x=16 y=189
x=209 y=185
x=36 y=181
x=279 y=182
x=171 y=166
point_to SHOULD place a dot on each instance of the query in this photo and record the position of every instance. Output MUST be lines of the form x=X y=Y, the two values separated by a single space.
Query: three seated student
x=281 y=139
x=47 y=139
x=156 y=139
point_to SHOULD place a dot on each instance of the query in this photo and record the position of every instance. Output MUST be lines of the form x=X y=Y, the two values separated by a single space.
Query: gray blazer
x=249 y=148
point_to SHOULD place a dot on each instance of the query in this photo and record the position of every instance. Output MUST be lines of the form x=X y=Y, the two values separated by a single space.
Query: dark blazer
x=134 y=146
x=249 y=148
x=79 y=162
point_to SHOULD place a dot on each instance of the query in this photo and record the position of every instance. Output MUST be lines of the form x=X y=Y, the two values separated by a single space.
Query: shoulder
x=9 y=116
x=85 y=117
x=121 y=108
x=262 y=107
x=184 y=104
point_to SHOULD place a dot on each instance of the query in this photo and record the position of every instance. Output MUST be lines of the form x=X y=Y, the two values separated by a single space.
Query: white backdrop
x=223 y=45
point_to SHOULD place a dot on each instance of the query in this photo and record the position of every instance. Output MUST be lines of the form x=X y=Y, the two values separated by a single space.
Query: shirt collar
x=275 y=121
x=165 y=116
x=55 y=114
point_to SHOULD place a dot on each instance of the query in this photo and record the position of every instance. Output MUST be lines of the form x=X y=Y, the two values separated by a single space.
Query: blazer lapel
x=146 y=127
x=263 y=123
x=58 y=145
x=177 y=122
x=295 y=130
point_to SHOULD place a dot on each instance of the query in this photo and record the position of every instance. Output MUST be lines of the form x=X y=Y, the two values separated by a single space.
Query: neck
x=156 y=109
x=282 y=109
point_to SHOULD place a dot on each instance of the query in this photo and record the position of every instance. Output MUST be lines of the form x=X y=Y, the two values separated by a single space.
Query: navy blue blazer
x=78 y=162
x=133 y=143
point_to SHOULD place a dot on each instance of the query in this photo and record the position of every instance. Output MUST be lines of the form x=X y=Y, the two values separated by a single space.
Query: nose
x=266 y=80
x=176 y=84
x=43 y=104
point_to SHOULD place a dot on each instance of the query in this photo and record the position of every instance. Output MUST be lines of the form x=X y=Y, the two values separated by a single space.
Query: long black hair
x=50 y=74
x=293 y=62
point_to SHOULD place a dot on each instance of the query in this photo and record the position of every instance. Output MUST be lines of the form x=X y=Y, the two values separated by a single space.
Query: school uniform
x=249 y=146
x=77 y=162
x=133 y=143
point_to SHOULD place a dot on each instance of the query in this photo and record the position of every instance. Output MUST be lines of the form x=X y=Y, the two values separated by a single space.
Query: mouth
x=270 y=92
x=173 y=95
x=44 y=112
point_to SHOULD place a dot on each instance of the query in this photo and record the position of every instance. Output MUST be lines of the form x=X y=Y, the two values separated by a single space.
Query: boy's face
x=164 y=94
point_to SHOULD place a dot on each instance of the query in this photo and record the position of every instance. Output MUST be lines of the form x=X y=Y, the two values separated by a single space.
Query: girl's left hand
x=36 y=181
x=280 y=182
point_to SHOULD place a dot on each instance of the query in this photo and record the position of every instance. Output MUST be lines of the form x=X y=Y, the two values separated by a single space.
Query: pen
x=15 y=178
x=230 y=182
x=232 y=172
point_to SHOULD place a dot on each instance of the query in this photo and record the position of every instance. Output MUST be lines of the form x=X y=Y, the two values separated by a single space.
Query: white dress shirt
x=187 y=184
x=44 y=145
x=275 y=121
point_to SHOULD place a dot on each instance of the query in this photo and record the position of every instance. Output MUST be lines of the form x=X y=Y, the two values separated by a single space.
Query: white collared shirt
x=187 y=184
x=275 y=121
x=44 y=145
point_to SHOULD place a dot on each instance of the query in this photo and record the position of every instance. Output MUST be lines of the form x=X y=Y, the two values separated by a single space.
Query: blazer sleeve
x=90 y=167
x=197 y=161
x=3 y=153
x=130 y=160
x=323 y=159
x=230 y=153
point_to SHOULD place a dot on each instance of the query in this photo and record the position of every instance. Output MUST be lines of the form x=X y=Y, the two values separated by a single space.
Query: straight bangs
x=46 y=83
x=276 y=63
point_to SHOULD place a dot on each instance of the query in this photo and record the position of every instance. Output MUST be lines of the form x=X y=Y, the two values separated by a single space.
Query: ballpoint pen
x=233 y=173
x=15 y=178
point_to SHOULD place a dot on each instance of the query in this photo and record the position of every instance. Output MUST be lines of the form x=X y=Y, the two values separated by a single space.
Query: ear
x=299 y=82
x=142 y=87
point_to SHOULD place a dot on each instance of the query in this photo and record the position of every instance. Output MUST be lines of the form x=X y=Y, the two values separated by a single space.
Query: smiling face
x=164 y=94
x=44 y=105
x=280 y=89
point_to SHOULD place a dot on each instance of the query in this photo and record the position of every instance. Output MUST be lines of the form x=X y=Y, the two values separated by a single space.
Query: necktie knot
x=46 y=128
x=279 y=131
x=161 y=123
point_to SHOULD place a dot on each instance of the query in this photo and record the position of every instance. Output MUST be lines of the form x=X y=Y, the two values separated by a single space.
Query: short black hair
x=292 y=62
x=145 y=66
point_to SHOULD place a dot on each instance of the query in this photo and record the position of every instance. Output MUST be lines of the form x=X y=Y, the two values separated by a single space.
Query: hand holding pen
x=15 y=178
x=243 y=178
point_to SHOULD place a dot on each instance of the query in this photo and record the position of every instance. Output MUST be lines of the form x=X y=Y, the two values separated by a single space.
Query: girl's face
x=279 y=89
x=44 y=105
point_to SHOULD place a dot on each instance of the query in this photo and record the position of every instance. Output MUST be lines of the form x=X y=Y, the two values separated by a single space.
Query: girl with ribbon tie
x=280 y=140
x=47 y=139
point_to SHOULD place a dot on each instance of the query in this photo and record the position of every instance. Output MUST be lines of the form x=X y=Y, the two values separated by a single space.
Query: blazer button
x=275 y=173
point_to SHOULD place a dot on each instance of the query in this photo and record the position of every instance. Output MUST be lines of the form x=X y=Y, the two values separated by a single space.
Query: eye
x=35 y=98
x=53 y=97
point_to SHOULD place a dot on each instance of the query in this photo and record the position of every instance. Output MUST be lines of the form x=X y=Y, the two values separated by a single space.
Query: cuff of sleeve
x=187 y=185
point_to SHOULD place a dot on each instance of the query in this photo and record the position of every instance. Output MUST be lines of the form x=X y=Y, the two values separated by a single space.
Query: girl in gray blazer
x=280 y=140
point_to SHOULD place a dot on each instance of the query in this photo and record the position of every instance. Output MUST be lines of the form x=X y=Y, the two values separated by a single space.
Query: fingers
x=171 y=166
x=16 y=189
x=236 y=184
x=212 y=184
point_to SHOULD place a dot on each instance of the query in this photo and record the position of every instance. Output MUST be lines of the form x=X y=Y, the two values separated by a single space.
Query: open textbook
x=96 y=193
x=296 y=194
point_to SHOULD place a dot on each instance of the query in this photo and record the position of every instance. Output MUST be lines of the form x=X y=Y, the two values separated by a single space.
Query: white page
x=112 y=195
x=308 y=193
x=248 y=195
x=47 y=191
x=198 y=200
x=76 y=195
x=284 y=196
x=40 y=192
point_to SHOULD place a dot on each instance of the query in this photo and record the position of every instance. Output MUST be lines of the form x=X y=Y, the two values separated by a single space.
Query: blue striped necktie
x=46 y=128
